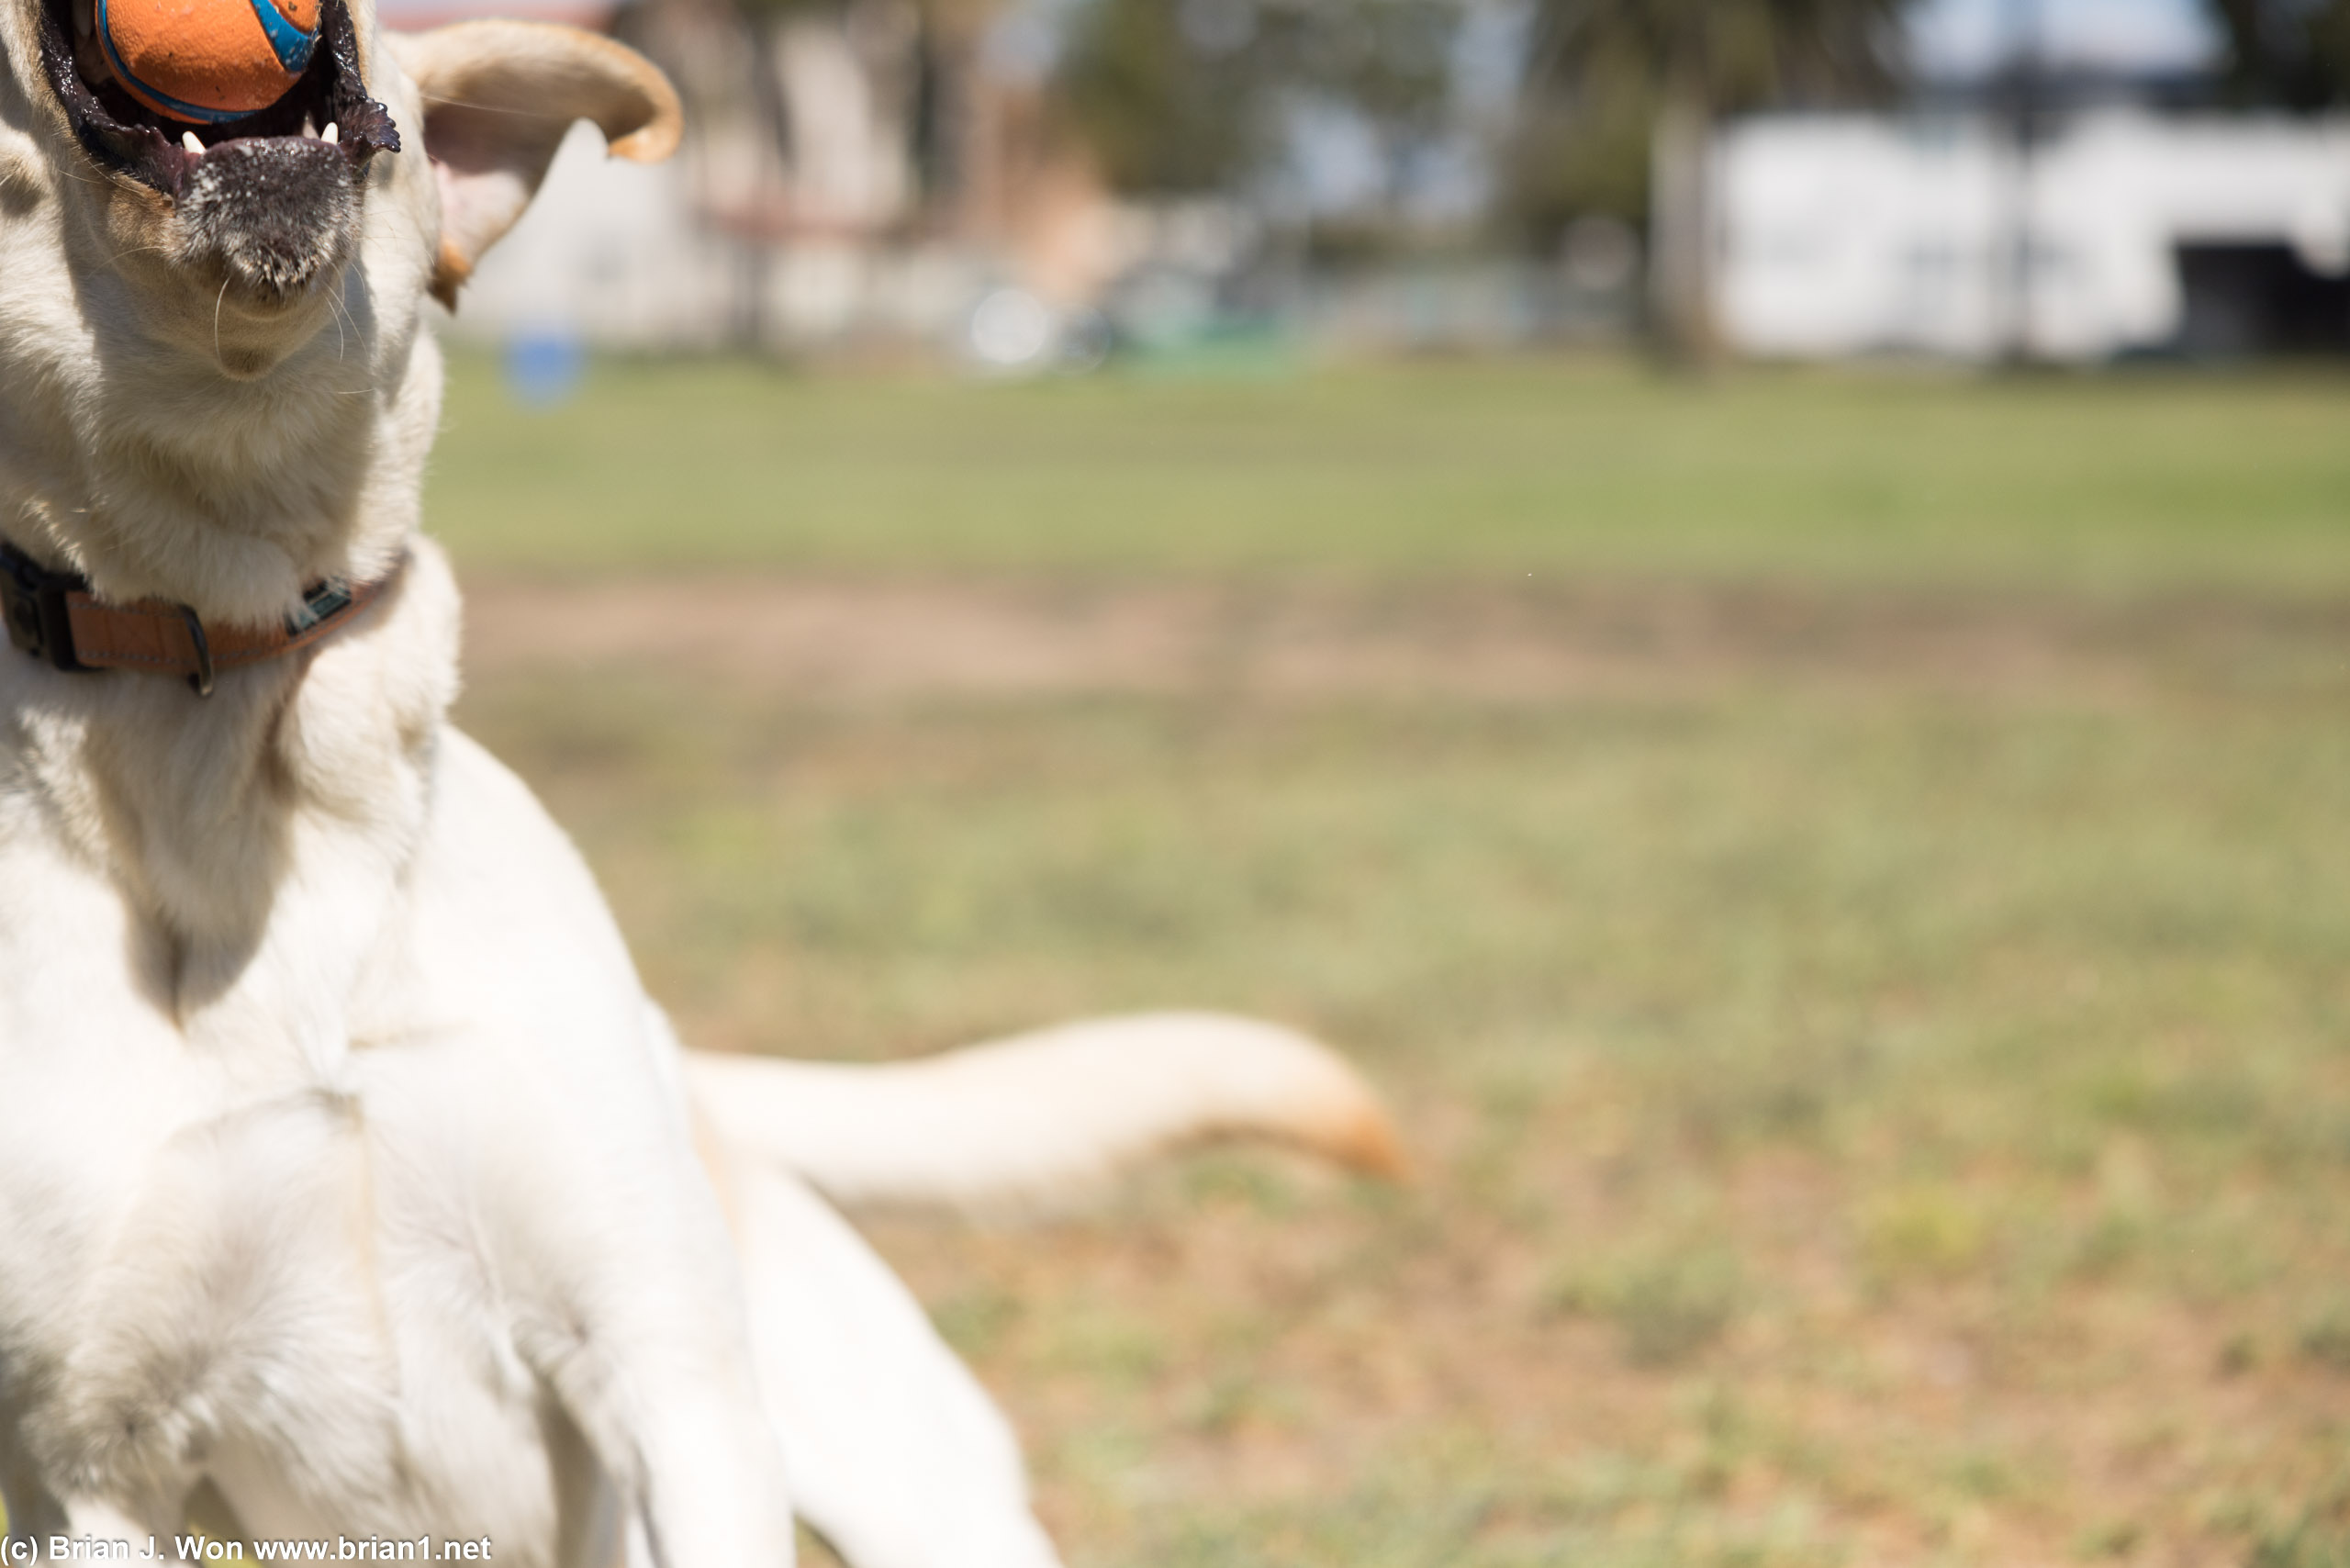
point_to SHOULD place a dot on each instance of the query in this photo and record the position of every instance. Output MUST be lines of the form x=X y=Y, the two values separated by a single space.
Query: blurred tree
x=1388 y=61
x=2287 y=53
x=728 y=59
x=1168 y=94
x=1186 y=97
x=1620 y=98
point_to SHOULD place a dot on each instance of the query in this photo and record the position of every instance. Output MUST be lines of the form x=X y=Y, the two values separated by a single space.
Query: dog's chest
x=253 y=1295
x=209 y=1282
x=203 y=1274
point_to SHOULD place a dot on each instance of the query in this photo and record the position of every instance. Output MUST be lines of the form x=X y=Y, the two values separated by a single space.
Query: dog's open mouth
x=329 y=106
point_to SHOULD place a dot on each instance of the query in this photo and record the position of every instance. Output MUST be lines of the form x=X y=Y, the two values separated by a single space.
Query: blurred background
x=1035 y=183
x=1748 y=600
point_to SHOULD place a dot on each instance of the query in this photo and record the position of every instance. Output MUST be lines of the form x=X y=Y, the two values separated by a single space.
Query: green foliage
x=1182 y=96
x=1570 y=155
x=2293 y=53
x=1600 y=72
x=1162 y=114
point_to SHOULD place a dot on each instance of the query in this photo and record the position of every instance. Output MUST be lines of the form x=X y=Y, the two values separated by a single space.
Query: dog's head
x=398 y=158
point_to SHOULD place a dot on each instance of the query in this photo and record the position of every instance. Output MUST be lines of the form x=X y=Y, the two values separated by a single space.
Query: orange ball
x=208 y=60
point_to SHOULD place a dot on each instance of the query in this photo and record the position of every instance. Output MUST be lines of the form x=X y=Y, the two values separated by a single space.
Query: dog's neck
x=198 y=808
x=231 y=497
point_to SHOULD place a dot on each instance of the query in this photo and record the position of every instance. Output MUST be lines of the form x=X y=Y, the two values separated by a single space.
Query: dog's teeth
x=333 y=132
x=309 y=127
x=85 y=19
x=188 y=140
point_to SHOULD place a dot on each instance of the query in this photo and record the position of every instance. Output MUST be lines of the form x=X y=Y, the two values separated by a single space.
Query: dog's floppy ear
x=499 y=97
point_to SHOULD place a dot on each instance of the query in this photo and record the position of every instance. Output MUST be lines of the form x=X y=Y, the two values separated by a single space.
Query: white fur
x=1026 y=1120
x=348 y=1173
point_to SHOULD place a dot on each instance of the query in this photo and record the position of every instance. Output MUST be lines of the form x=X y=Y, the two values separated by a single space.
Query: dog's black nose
x=278 y=211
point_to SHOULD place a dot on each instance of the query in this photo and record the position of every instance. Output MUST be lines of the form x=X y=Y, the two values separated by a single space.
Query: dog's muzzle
x=328 y=113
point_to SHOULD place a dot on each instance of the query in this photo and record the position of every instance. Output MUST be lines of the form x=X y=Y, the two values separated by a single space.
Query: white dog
x=351 y=1187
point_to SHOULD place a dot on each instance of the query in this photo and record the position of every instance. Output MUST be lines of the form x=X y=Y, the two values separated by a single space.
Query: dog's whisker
x=341 y=315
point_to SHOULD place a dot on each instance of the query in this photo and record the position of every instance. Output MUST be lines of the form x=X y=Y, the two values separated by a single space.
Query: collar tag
x=32 y=599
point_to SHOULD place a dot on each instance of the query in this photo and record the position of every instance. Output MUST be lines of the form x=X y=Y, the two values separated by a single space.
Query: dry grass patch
x=1868 y=1116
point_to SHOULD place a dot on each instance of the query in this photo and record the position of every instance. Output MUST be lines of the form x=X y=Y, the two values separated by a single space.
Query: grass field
x=1857 y=937
x=1469 y=467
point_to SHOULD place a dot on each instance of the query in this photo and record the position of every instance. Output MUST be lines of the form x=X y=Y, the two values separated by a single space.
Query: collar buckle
x=32 y=600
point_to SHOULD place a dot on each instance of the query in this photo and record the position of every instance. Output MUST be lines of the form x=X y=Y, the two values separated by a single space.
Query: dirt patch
x=1901 y=1131
x=1332 y=1356
x=852 y=638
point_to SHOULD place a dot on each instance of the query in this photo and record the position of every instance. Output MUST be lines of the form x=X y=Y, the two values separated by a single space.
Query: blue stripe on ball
x=289 y=43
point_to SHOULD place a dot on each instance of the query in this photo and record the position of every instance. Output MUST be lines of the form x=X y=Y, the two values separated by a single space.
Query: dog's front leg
x=695 y=1457
x=650 y=1357
x=34 y=1513
x=94 y=1528
x=40 y=1521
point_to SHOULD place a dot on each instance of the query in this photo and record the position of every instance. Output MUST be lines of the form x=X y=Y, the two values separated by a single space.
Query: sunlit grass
x=1534 y=466
x=1868 y=1122
x=1915 y=1123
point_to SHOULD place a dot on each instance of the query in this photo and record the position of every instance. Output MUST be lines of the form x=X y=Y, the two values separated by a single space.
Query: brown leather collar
x=54 y=617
